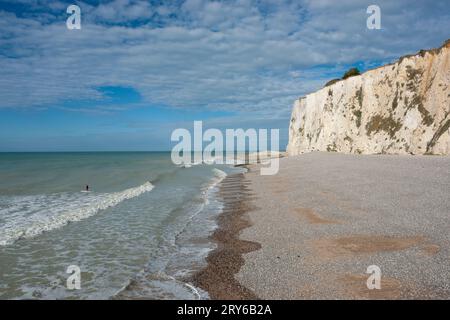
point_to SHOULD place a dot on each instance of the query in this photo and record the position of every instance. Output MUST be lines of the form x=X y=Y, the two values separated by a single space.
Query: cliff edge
x=400 y=108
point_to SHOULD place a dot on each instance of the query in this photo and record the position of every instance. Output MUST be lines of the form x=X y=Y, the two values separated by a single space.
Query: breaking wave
x=23 y=217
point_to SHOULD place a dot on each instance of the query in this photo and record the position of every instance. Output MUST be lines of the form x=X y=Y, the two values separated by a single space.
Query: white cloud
x=251 y=57
x=122 y=10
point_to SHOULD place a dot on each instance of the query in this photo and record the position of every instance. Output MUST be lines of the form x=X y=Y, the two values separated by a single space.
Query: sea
x=141 y=231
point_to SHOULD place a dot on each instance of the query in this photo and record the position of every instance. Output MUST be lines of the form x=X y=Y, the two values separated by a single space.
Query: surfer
x=87 y=188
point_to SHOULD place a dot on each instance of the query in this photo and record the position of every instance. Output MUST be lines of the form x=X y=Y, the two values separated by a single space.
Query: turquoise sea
x=140 y=232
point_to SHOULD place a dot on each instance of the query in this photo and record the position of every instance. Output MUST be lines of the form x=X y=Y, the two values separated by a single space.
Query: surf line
x=200 y=311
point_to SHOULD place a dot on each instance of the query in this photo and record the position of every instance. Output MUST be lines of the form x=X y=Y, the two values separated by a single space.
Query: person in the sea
x=87 y=188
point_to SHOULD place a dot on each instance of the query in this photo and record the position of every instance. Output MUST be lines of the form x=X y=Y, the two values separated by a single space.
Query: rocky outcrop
x=401 y=108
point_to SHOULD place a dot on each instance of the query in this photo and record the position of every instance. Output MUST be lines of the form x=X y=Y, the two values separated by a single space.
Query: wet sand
x=225 y=261
x=311 y=231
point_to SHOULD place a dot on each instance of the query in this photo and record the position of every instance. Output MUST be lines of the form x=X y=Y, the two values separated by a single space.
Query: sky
x=137 y=70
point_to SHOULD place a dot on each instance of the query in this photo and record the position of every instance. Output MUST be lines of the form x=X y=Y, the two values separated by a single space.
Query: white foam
x=208 y=161
x=161 y=278
x=28 y=216
x=219 y=173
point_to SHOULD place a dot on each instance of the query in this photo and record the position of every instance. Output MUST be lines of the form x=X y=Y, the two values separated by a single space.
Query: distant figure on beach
x=87 y=188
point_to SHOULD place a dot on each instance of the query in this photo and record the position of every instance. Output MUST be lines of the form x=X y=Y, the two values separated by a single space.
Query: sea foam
x=28 y=216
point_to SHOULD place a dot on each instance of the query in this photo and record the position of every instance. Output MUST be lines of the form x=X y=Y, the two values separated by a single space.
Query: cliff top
x=420 y=53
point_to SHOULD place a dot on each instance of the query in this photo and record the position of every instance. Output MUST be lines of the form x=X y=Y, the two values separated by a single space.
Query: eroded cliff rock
x=401 y=108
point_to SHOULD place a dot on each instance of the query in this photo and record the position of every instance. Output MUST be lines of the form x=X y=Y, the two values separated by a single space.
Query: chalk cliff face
x=402 y=108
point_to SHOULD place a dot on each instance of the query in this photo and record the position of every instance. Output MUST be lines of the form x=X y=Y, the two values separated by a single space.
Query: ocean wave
x=208 y=161
x=179 y=248
x=158 y=285
x=23 y=217
x=219 y=174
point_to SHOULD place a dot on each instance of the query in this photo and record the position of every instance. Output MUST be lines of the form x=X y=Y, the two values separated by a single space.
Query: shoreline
x=312 y=230
x=218 y=277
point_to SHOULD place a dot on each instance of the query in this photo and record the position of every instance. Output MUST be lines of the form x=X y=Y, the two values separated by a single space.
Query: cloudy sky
x=139 y=69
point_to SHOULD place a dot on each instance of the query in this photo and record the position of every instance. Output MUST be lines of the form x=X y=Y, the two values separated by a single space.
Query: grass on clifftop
x=350 y=73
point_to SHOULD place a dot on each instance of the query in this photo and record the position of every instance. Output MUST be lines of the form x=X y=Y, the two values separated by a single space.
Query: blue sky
x=139 y=69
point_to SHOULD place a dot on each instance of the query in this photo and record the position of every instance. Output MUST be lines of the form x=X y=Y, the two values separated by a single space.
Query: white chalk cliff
x=401 y=108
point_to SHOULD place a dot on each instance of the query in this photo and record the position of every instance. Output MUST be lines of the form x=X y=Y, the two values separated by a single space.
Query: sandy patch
x=312 y=217
x=362 y=244
x=431 y=249
x=355 y=286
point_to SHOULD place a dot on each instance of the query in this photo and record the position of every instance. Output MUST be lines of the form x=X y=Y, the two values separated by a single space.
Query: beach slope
x=326 y=217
